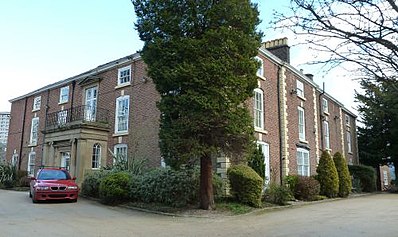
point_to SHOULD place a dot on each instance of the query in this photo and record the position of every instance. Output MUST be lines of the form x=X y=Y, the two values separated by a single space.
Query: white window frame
x=260 y=70
x=62 y=117
x=122 y=78
x=65 y=160
x=119 y=147
x=300 y=88
x=31 y=164
x=34 y=131
x=326 y=134
x=301 y=123
x=349 y=143
x=303 y=162
x=122 y=115
x=36 y=103
x=96 y=157
x=325 y=106
x=265 y=150
x=258 y=108
x=64 y=94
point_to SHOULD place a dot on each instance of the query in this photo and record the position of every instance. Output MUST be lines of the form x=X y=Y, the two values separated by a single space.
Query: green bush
x=278 y=194
x=327 y=175
x=291 y=181
x=175 y=188
x=366 y=176
x=307 y=188
x=246 y=184
x=114 y=188
x=256 y=162
x=8 y=175
x=91 y=183
x=344 y=175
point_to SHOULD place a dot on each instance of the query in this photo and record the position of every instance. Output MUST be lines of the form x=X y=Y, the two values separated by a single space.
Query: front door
x=65 y=160
x=90 y=111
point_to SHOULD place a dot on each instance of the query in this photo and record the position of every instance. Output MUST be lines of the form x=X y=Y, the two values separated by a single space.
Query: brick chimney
x=279 y=48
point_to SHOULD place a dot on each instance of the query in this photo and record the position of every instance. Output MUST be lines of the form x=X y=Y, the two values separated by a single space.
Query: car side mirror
x=74 y=178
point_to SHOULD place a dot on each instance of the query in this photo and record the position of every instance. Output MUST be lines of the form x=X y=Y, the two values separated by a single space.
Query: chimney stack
x=310 y=76
x=279 y=48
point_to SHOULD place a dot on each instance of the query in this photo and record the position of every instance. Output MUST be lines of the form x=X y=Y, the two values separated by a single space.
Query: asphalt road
x=374 y=215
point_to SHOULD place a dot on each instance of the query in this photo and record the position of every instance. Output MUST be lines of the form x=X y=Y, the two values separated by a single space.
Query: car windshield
x=53 y=175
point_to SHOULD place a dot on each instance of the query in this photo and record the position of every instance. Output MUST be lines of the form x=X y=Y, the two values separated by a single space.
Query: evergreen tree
x=256 y=162
x=327 y=175
x=200 y=55
x=378 y=135
x=344 y=174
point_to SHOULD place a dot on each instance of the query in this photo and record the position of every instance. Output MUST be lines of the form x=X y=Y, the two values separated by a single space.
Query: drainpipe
x=22 y=134
x=280 y=129
x=73 y=93
x=45 y=126
x=320 y=115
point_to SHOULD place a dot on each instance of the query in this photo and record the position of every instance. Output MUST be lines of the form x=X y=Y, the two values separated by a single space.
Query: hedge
x=366 y=176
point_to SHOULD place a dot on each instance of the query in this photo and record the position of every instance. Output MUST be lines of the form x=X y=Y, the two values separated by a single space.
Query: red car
x=53 y=184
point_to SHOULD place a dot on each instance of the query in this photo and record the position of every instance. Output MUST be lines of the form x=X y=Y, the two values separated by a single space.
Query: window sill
x=260 y=130
x=120 y=134
x=262 y=77
x=301 y=98
x=348 y=126
x=32 y=144
x=62 y=102
x=325 y=113
x=303 y=141
x=123 y=85
x=35 y=110
x=350 y=153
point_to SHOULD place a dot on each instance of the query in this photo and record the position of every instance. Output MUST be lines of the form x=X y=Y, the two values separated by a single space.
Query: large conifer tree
x=200 y=54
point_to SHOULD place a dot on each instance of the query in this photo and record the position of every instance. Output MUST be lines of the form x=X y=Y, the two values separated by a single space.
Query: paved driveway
x=374 y=215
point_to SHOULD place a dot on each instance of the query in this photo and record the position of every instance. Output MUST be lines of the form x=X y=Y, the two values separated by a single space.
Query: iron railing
x=77 y=114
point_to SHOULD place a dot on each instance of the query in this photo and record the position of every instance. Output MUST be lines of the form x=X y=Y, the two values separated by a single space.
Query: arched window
x=96 y=160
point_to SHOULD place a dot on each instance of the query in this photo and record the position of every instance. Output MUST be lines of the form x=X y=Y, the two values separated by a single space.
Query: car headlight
x=42 y=188
x=72 y=188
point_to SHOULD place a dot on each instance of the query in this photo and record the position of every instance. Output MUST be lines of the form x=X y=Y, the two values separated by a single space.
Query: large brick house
x=81 y=121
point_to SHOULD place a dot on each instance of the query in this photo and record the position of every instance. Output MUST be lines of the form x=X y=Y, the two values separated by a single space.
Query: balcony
x=77 y=117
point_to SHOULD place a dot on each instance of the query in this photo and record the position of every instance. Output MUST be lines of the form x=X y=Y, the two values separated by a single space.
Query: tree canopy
x=361 y=33
x=200 y=55
x=378 y=135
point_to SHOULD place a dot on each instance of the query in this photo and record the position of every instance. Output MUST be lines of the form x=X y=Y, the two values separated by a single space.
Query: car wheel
x=34 y=199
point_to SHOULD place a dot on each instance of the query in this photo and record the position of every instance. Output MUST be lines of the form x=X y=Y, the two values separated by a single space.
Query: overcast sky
x=45 y=41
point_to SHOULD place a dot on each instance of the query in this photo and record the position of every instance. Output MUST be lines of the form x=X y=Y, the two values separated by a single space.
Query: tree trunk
x=206 y=183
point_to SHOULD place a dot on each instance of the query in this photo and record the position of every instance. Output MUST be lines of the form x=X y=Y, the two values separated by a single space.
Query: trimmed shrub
x=114 y=188
x=366 y=176
x=91 y=183
x=176 y=188
x=344 y=175
x=8 y=175
x=278 y=194
x=246 y=184
x=327 y=176
x=307 y=188
x=256 y=162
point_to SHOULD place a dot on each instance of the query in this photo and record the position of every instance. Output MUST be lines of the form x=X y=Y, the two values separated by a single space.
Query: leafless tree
x=361 y=34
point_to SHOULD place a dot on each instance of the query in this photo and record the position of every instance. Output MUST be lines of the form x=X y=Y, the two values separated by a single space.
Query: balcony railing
x=77 y=115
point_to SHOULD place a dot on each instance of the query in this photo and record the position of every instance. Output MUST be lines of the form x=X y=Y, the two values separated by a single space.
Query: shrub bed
x=365 y=175
x=307 y=188
x=246 y=184
x=278 y=194
x=114 y=188
x=91 y=183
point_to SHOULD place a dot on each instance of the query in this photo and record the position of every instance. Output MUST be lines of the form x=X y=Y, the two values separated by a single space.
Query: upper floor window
x=326 y=134
x=34 y=131
x=349 y=144
x=64 y=94
x=301 y=123
x=258 y=108
x=36 y=103
x=96 y=158
x=124 y=75
x=347 y=120
x=122 y=114
x=325 y=105
x=303 y=162
x=300 y=88
x=260 y=70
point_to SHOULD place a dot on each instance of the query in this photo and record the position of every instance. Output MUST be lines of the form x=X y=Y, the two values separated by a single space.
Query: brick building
x=81 y=121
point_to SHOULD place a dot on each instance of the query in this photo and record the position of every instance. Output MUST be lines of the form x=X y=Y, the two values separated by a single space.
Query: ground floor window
x=120 y=152
x=96 y=159
x=303 y=162
x=65 y=160
x=31 y=163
